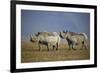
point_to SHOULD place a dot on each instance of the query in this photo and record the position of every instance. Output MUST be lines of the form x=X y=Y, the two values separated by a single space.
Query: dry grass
x=30 y=53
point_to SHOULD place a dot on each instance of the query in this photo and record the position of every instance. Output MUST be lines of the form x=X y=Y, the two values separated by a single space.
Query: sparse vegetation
x=30 y=53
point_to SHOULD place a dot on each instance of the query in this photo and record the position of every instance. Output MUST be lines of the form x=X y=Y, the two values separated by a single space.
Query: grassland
x=30 y=53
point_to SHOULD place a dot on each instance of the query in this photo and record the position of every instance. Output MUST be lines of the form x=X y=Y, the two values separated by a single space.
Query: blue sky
x=33 y=21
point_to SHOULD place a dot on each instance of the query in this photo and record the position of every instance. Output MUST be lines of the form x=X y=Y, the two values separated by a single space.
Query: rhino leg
x=73 y=46
x=39 y=46
x=57 y=46
x=69 y=47
x=48 y=47
x=84 y=45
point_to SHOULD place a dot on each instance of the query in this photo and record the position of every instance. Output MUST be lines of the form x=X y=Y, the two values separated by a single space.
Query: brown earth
x=30 y=53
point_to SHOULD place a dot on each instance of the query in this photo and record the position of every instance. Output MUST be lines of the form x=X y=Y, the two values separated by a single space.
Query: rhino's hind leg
x=39 y=47
x=73 y=46
x=48 y=45
x=57 y=46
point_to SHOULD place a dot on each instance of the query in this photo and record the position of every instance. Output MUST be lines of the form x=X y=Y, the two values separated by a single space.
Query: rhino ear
x=30 y=36
x=36 y=34
x=63 y=31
